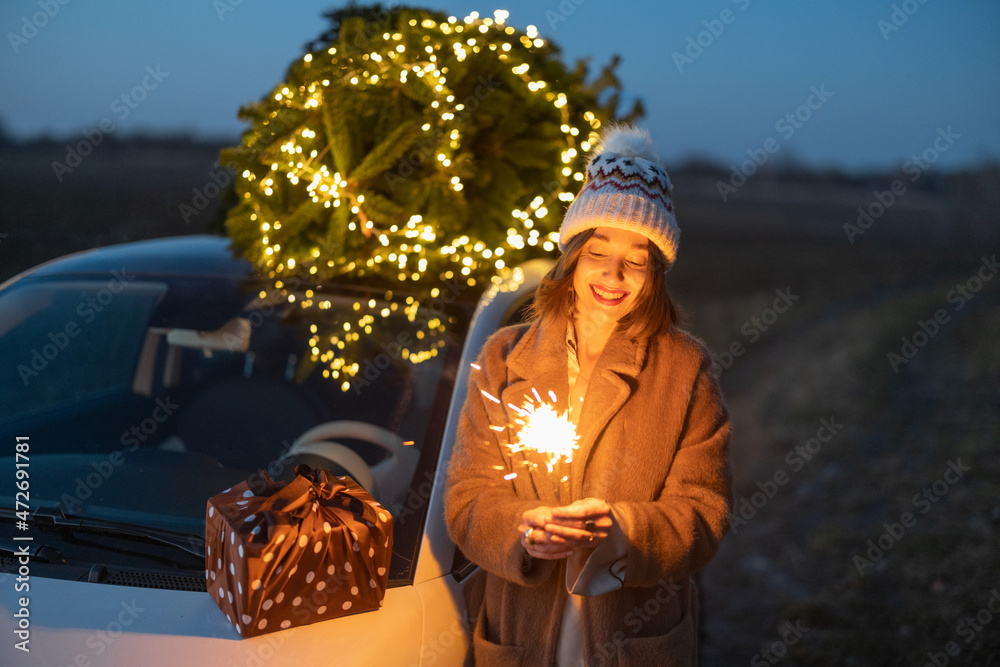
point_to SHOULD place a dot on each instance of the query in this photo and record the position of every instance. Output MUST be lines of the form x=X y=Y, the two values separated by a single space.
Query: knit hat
x=626 y=188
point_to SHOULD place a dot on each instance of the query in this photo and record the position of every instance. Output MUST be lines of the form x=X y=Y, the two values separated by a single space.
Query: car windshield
x=139 y=406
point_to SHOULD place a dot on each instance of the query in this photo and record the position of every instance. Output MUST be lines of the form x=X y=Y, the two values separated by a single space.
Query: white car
x=138 y=380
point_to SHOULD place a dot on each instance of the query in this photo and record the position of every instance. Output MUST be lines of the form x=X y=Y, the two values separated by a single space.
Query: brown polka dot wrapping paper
x=279 y=555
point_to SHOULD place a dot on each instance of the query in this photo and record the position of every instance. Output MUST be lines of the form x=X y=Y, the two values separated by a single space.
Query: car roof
x=197 y=256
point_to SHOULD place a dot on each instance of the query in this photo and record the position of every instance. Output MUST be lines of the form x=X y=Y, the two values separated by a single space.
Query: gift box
x=279 y=555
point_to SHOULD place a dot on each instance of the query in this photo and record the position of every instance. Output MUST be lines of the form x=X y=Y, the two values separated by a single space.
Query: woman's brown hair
x=654 y=310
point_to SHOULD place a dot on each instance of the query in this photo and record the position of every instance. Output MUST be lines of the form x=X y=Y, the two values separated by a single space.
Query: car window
x=45 y=330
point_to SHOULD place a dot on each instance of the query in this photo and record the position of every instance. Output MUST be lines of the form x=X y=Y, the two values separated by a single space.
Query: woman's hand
x=537 y=540
x=555 y=532
x=583 y=523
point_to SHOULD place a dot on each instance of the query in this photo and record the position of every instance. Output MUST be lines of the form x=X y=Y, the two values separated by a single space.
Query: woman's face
x=609 y=273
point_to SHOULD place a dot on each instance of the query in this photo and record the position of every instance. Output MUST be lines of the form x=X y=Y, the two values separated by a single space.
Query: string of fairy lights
x=416 y=252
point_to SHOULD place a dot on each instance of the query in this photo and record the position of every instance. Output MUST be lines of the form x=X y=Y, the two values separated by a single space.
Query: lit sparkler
x=546 y=432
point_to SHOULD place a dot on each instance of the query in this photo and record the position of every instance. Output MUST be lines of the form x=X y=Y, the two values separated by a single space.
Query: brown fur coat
x=654 y=437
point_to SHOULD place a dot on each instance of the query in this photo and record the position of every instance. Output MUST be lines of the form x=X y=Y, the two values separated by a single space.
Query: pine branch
x=306 y=212
x=417 y=90
x=384 y=156
x=338 y=131
x=383 y=210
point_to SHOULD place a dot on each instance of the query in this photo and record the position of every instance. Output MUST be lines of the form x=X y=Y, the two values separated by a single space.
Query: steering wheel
x=378 y=479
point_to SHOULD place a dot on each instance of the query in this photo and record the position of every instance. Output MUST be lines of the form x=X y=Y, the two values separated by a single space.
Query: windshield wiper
x=55 y=517
x=42 y=552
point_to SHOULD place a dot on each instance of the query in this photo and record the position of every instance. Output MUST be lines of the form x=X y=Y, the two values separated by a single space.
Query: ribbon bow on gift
x=295 y=499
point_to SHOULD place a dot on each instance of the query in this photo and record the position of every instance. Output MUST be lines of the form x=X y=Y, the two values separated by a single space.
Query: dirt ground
x=867 y=518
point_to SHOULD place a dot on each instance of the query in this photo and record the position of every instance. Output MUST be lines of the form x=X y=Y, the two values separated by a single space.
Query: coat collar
x=538 y=361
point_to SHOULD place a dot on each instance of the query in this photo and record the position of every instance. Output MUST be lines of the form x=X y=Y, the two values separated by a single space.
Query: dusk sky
x=883 y=77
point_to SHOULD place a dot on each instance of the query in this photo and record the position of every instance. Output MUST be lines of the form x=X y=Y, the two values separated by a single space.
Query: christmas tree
x=411 y=147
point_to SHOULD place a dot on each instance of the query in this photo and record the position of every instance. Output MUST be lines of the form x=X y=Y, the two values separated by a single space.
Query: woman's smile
x=606 y=296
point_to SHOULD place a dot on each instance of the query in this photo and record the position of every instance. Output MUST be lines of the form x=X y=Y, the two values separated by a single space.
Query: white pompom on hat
x=626 y=188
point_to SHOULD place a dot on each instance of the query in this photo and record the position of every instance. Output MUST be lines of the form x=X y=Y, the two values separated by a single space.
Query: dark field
x=867 y=485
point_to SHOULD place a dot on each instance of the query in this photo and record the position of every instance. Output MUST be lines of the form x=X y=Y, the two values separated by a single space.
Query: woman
x=591 y=564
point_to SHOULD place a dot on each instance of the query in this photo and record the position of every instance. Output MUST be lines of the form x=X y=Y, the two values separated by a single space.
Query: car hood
x=151 y=627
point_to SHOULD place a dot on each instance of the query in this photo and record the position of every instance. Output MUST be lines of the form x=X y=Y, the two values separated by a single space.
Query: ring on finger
x=527 y=535
x=589 y=526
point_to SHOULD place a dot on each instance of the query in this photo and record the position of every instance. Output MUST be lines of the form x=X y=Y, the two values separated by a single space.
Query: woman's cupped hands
x=556 y=532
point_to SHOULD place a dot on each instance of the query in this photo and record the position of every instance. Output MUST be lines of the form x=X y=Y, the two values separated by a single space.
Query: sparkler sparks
x=489 y=396
x=545 y=431
x=541 y=430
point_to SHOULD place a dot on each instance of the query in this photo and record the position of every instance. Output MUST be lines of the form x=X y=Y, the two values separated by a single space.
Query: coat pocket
x=675 y=649
x=488 y=654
